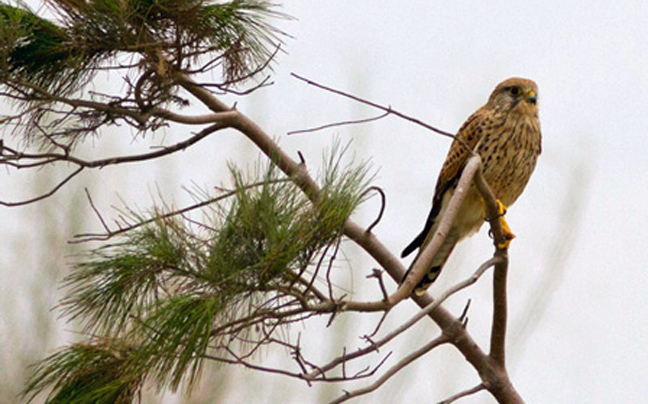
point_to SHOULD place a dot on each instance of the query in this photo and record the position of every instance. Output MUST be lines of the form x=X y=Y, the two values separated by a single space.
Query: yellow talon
x=508 y=234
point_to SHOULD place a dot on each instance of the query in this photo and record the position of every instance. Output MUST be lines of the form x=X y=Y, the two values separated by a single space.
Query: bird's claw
x=508 y=234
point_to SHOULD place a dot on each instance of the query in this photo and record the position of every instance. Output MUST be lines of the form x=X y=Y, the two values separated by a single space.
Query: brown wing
x=470 y=133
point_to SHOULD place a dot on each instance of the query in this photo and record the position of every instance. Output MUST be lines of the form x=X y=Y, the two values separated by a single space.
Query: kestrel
x=506 y=134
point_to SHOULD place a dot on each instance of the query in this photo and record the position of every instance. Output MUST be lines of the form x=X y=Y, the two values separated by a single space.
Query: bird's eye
x=514 y=90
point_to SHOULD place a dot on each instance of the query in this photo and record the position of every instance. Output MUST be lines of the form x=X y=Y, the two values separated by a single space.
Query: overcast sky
x=581 y=224
x=578 y=264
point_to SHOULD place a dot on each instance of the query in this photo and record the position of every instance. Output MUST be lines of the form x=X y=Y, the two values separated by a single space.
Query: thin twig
x=463 y=394
x=388 y=110
x=335 y=124
x=96 y=211
x=383 y=203
x=330 y=266
x=375 y=331
x=393 y=370
x=377 y=273
x=47 y=194
x=429 y=308
x=463 y=318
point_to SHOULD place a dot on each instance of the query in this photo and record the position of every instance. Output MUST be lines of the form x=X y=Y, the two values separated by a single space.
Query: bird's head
x=515 y=95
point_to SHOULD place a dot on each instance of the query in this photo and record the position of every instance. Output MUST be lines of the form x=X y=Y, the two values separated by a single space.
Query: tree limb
x=463 y=394
x=426 y=256
x=12 y=157
x=393 y=370
x=498 y=327
x=375 y=345
x=388 y=110
x=47 y=194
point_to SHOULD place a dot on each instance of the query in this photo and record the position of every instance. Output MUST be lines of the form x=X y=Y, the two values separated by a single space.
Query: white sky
x=439 y=61
x=587 y=337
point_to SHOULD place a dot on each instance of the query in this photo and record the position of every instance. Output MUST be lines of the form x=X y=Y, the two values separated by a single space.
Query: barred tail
x=437 y=264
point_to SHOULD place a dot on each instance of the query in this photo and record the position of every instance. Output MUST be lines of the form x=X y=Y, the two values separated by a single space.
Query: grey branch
x=393 y=370
x=464 y=393
x=375 y=345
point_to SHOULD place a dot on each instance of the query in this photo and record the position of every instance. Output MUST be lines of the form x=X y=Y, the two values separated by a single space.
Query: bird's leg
x=508 y=234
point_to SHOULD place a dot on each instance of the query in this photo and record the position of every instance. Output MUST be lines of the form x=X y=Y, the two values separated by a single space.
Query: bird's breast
x=509 y=154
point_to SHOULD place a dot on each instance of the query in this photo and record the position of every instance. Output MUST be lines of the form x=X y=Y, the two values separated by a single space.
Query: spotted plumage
x=506 y=134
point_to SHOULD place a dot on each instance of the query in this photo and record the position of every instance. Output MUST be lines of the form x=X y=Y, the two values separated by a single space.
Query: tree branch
x=375 y=345
x=393 y=370
x=14 y=157
x=47 y=194
x=498 y=327
x=332 y=125
x=388 y=110
x=463 y=394
x=426 y=256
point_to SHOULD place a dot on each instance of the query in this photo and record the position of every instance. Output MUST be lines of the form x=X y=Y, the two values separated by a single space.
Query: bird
x=506 y=134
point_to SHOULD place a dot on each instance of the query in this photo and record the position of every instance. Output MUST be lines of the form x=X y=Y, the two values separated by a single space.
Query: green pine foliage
x=32 y=48
x=172 y=293
x=61 y=56
x=99 y=373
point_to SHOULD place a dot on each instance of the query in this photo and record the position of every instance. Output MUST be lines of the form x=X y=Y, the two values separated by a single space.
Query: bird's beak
x=532 y=97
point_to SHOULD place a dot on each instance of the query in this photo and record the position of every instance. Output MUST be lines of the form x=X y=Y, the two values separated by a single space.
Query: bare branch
x=375 y=345
x=498 y=328
x=45 y=195
x=336 y=249
x=238 y=360
x=383 y=203
x=96 y=211
x=388 y=110
x=393 y=370
x=375 y=331
x=421 y=265
x=463 y=394
x=264 y=83
x=343 y=123
x=377 y=273
x=186 y=119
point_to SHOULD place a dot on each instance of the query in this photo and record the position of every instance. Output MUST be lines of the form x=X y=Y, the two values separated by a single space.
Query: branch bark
x=13 y=158
x=463 y=394
x=422 y=264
